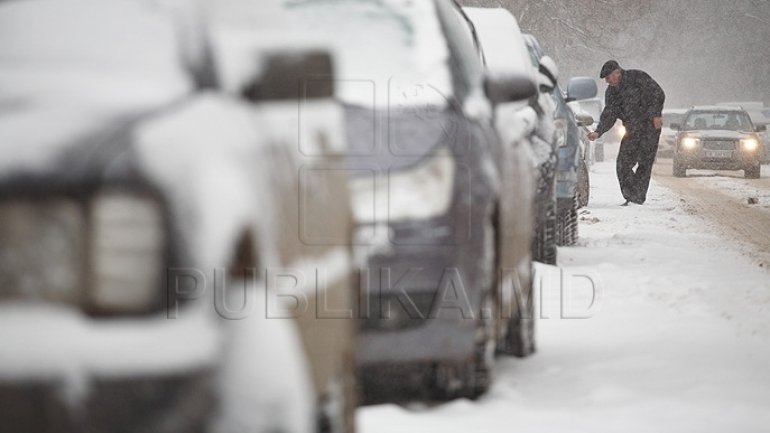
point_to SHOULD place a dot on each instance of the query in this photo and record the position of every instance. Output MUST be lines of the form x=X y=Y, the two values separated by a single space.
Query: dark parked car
x=435 y=218
x=572 y=181
x=720 y=138
x=147 y=216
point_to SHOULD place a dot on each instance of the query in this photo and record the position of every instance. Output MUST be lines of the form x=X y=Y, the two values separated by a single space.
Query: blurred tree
x=702 y=51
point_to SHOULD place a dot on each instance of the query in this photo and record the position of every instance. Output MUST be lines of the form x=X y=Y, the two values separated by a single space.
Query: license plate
x=719 y=153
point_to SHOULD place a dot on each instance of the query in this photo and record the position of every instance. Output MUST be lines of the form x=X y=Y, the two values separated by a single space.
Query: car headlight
x=690 y=142
x=107 y=256
x=749 y=144
x=420 y=192
x=127 y=252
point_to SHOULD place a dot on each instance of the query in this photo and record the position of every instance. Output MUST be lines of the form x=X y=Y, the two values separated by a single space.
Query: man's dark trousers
x=639 y=146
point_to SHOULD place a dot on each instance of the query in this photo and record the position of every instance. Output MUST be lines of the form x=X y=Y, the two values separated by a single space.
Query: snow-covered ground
x=734 y=185
x=679 y=340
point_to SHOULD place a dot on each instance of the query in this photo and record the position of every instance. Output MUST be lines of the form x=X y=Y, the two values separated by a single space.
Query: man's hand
x=592 y=136
x=657 y=122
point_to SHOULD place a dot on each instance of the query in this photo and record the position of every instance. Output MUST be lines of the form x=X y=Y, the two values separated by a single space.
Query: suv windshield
x=722 y=120
x=386 y=52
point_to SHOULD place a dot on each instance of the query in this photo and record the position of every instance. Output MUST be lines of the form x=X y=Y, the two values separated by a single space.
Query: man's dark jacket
x=635 y=101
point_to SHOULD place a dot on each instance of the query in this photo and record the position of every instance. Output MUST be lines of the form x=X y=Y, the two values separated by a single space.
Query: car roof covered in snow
x=501 y=40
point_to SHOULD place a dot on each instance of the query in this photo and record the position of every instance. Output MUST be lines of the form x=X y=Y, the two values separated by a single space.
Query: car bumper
x=730 y=160
x=63 y=372
x=426 y=329
x=168 y=403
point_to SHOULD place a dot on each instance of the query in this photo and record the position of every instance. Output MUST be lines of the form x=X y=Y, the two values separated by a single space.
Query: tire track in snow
x=732 y=217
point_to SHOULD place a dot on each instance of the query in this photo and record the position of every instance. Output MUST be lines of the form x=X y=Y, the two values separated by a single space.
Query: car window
x=385 y=52
x=719 y=120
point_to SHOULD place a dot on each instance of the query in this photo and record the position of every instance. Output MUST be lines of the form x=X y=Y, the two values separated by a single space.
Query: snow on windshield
x=386 y=52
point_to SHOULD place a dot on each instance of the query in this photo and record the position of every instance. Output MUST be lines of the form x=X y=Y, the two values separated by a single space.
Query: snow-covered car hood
x=74 y=148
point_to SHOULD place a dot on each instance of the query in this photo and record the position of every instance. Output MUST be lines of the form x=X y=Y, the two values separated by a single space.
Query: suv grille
x=719 y=145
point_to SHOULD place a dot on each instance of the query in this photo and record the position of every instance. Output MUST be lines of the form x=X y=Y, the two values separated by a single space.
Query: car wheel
x=584 y=185
x=679 y=169
x=472 y=378
x=566 y=226
x=544 y=242
x=337 y=405
x=752 y=172
x=518 y=338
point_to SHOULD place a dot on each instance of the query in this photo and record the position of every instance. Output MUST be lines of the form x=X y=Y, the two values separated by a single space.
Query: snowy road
x=680 y=341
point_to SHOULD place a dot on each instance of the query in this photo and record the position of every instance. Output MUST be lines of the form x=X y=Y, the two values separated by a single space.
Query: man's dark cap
x=608 y=67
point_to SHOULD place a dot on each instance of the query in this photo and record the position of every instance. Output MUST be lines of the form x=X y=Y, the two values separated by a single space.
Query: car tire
x=518 y=338
x=679 y=170
x=544 y=242
x=752 y=172
x=473 y=377
x=566 y=226
x=338 y=404
x=582 y=192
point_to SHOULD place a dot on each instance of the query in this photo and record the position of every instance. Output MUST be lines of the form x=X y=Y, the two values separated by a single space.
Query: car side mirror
x=675 y=126
x=584 y=119
x=761 y=128
x=502 y=89
x=292 y=75
x=579 y=88
x=548 y=74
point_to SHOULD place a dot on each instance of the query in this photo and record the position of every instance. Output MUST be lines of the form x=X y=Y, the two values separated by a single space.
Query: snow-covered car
x=571 y=186
x=425 y=169
x=719 y=138
x=667 y=139
x=152 y=223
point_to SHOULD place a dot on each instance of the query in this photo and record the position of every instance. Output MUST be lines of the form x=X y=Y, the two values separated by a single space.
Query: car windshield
x=722 y=120
x=389 y=52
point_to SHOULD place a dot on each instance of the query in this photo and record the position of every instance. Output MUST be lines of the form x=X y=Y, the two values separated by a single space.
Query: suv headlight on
x=749 y=144
x=690 y=143
x=105 y=256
